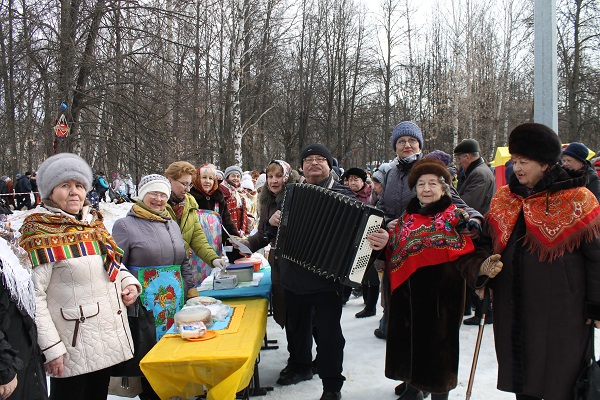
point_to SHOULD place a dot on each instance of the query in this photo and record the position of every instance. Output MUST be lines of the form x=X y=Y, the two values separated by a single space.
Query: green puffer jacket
x=192 y=232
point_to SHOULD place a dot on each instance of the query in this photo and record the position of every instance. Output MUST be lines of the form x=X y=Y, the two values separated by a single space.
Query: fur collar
x=414 y=207
x=216 y=196
x=555 y=179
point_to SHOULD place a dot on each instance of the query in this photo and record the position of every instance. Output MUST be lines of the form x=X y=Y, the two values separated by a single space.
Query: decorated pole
x=61 y=127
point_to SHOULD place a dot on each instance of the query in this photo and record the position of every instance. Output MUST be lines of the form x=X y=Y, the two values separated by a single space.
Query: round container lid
x=234 y=267
x=247 y=260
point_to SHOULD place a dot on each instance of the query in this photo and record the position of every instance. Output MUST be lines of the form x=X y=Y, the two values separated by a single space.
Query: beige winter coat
x=80 y=314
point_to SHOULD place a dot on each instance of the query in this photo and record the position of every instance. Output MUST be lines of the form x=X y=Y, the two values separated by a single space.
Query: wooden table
x=225 y=364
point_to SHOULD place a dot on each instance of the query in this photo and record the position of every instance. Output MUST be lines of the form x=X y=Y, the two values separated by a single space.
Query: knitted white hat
x=247 y=182
x=260 y=182
x=60 y=168
x=154 y=183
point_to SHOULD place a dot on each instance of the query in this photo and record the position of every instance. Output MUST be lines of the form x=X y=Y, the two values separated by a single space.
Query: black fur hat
x=535 y=141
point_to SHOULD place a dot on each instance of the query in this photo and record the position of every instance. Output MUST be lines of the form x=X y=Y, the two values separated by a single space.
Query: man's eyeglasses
x=403 y=142
x=158 y=196
x=310 y=160
x=185 y=185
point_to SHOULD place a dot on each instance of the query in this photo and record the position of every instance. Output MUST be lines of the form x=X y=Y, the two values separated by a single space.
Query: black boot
x=439 y=396
x=411 y=393
x=371 y=295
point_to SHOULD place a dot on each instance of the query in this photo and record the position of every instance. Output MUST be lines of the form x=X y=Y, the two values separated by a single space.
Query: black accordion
x=326 y=232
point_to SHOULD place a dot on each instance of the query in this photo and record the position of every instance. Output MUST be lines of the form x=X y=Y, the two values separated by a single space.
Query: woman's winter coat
x=593 y=181
x=424 y=318
x=191 y=230
x=364 y=194
x=211 y=202
x=147 y=243
x=20 y=354
x=541 y=307
x=80 y=313
x=268 y=205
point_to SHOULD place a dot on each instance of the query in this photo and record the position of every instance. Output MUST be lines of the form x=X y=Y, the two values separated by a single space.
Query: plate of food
x=207 y=336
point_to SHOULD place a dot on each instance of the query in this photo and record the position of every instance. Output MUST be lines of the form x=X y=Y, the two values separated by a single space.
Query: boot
x=411 y=393
x=439 y=396
x=371 y=294
x=399 y=390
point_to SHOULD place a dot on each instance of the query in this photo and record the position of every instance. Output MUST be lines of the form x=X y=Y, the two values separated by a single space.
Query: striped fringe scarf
x=55 y=237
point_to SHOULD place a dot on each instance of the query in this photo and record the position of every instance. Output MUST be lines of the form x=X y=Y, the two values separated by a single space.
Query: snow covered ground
x=364 y=355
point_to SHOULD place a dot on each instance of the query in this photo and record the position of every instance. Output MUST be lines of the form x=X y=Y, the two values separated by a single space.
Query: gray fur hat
x=61 y=168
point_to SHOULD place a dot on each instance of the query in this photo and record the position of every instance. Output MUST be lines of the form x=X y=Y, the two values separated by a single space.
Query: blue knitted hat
x=407 y=128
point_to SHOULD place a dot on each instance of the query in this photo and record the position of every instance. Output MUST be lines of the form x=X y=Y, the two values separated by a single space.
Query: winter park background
x=364 y=355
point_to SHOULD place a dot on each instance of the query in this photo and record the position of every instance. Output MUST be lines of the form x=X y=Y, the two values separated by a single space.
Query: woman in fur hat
x=428 y=262
x=81 y=286
x=545 y=224
x=279 y=173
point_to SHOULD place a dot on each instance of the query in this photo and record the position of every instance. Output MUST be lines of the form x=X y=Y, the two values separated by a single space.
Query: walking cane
x=485 y=304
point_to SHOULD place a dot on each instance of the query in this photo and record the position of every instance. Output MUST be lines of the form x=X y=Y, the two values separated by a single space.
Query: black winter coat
x=425 y=315
x=541 y=307
x=593 y=182
x=269 y=204
x=299 y=280
x=19 y=350
x=207 y=202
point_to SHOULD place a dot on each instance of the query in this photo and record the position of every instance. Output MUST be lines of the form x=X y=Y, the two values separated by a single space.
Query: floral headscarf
x=286 y=168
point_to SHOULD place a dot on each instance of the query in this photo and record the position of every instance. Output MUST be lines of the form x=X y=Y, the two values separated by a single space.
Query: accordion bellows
x=326 y=232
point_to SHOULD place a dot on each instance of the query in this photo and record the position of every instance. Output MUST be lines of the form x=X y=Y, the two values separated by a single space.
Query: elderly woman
x=575 y=157
x=154 y=251
x=279 y=173
x=80 y=285
x=428 y=262
x=212 y=207
x=182 y=207
x=232 y=190
x=546 y=226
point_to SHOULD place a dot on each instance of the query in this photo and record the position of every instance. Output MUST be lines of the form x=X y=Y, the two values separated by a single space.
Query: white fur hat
x=154 y=183
x=60 y=168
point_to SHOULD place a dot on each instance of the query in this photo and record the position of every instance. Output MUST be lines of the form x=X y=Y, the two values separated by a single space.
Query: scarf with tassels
x=556 y=222
x=426 y=238
x=57 y=236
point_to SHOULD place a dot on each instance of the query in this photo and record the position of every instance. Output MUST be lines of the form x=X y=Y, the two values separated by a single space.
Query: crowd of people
x=450 y=234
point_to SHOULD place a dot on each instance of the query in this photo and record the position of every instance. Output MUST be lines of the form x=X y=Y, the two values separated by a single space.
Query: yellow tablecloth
x=225 y=364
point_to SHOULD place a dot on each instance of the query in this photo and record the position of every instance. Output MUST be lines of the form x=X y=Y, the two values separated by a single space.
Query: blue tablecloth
x=262 y=290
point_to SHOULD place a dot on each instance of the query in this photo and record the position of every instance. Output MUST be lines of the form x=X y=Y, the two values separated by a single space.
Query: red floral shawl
x=425 y=240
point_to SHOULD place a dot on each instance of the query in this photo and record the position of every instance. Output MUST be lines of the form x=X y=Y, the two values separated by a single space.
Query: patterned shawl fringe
x=570 y=244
